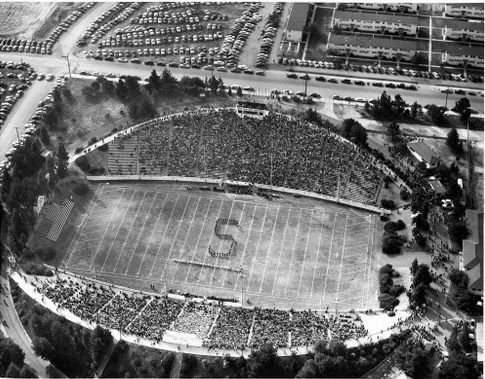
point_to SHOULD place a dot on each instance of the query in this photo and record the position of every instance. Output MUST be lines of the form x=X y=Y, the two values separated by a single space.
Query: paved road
x=21 y=113
x=16 y=332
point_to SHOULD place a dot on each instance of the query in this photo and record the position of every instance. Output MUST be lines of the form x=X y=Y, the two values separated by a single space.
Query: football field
x=284 y=252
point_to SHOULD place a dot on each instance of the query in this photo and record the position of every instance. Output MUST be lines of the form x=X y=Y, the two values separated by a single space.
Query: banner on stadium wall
x=40 y=203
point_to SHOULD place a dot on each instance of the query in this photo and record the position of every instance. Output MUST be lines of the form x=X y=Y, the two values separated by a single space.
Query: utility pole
x=68 y=65
x=17 y=130
x=306 y=84
x=446 y=101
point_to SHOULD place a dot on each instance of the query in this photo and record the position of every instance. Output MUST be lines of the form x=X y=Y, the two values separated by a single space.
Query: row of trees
x=388 y=291
x=12 y=364
x=74 y=350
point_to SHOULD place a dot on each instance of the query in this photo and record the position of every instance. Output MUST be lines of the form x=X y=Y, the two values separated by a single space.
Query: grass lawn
x=295 y=253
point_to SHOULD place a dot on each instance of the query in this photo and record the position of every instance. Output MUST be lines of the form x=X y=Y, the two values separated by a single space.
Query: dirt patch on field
x=57 y=14
x=21 y=20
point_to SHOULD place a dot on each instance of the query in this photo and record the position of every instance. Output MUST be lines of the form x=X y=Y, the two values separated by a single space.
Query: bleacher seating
x=54 y=217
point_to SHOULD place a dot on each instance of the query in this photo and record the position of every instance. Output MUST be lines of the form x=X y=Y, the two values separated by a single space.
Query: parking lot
x=191 y=34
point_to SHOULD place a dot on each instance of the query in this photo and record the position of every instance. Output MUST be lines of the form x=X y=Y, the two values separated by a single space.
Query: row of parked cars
x=160 y=40
x=44 y=47
x=99 y=27
x=269 y=34
x=12 y=85
x=32 y=126
x=183 y=17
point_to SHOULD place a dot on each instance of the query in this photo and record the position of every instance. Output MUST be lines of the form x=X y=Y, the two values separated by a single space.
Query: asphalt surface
x=12 y=327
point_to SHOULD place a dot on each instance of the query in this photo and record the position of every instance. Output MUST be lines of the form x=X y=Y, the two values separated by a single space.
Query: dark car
x=378 y=84
x=332 y=80
x=291 y=76
x=150 y=63
x=251 y=72
x=305 y=77
x=346 y=81
x=320 y=79
x=359 y=82
x=390 y=85
x=260 y=73
x=163 y=64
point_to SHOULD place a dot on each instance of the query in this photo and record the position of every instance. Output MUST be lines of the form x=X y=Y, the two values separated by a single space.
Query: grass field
x=294 y=252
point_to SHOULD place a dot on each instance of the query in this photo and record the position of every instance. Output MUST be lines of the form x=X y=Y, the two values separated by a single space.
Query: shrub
x=83 y=163
x=396 y=290
x=35 y=269
x=78 y=150
x=387 y=301
x=391 y=243
x=103 y=147
x=388 y=204
x=80 y=189
x=404 y=194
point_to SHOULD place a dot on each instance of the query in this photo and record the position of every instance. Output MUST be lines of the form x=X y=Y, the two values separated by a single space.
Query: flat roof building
x=363 y=46
x=463 y=30
x=375 y=22
x=297 y=22
x=460 y=54
x=466 y=10
x=423 y=153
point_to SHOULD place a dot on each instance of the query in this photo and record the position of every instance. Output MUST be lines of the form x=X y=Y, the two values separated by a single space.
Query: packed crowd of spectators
x=155 y=319
x=196 y=319
x=218 y=326
x=277 y=151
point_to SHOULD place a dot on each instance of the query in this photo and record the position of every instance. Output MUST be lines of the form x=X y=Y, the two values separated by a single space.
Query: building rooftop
x=298 y=16
x=473 y=248
x=437 y=187
x=370 y=17
x=464 y=25
x=365 y=41
x=464 y=50
x=466 y=5
x=424 y=151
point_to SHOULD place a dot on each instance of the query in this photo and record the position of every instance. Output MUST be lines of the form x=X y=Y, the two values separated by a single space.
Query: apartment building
x=465 y=10
x=393 y=7
x=363 y=46
x=375 y=23
x=458 y=55
x=463 y=30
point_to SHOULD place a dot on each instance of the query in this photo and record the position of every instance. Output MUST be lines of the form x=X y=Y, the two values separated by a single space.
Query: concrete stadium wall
x=189 y=180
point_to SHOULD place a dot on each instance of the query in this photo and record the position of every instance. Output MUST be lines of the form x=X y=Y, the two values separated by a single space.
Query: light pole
x=17 y=131
x=68 y=65
x=241 y=274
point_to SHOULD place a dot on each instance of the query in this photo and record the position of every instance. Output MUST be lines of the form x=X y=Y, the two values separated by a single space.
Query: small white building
x=297 y=21
x=458 y=55
x=465 y=10
x=251 y=109
x=463 y=30
x=375 y=23
x=361 y=46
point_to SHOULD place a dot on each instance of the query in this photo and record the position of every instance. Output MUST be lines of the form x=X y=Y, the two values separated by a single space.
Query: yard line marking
x=174 y=239
x=218 y=259
x=341 y=262
x=151 y=235
x=269 y=250
x=105 y=231
x=85 y=220
x=190 y=226
x=210 y=241
x=293 y=252
x=141 y=232
x=246 y=244
x=257 y=248
x=198 y=239
x=355 y=255
x=328 y=261
x=302 y=267
x=119 y=227
x=129 y=232
x=353 y=247
x=281 y=249
x=165 y=232
x=318 y=253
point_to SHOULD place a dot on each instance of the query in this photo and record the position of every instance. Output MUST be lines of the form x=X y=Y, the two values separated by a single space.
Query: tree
x=422 y=276
x=458 y=230
x=391 y=243
x=9 y=353
x=436 y=114
x=414 y=267
x=414 y=109
x=154 y=84
x=62 y=160
x=453 y=141
x=100 y=340
x=13 y=371
x=262 y=362
x=239 y=91
x=213 y=84
x=168 y=82
x=459 y=278
x=353 y=130
x=462 y=106
x=459 y=366
x=394 y=131
x=122 y=90
x=44 y=136
x=309 y=370
x=132 y=86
